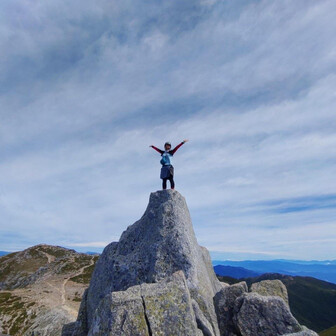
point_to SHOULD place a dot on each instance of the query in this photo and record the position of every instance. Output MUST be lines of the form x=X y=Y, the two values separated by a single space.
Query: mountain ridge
x=41 y=288
x=235 y=272
x=325 y=270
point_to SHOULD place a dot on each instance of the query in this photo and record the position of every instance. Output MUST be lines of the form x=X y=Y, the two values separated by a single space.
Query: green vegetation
x=85 y=277
x=72 y=265
x=57 y=252
x=18 y=313
x=312 y=301
x=228 y=279
x=8 y=256
x=25 y=263
x=5 y=296
x=14 y=307
x=21 y=264
x=77 y=299
x=329 y=332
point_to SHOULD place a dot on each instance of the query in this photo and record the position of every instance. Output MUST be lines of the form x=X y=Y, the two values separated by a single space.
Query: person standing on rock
x=167 y=170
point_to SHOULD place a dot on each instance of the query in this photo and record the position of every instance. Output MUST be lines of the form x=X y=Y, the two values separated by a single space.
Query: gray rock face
x=157 y=280
x=203 y=324
x=168 y=307
x=162 y=308
x=153 y=248
x=304 y=332
x=48 y=323
x=120 y=313
x=225 y=302
x=255 y=314
x=271 y=288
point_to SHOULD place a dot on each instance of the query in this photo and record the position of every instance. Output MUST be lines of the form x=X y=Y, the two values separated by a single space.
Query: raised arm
x=157 y=149
x=178 y=146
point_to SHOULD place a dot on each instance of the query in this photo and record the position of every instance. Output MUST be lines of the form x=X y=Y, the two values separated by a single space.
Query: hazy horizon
x=214 y=255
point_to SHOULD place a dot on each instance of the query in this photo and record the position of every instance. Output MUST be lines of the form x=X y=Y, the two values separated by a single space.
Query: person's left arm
x=172 y=152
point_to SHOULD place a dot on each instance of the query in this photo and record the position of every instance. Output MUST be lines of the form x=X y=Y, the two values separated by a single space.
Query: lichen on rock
x=271 y=288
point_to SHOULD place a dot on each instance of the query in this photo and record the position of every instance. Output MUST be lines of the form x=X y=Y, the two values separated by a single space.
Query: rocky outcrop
x=48 y=323
x=147 y=309
x=255 y=314
x=157 y=280
x=271 y=288
x=152 y=249
x=225 y=302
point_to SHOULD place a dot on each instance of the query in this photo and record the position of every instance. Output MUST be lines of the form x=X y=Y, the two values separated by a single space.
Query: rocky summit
x=157 y=280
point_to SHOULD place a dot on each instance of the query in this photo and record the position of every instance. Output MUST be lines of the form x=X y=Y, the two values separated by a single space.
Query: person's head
x=167 y=146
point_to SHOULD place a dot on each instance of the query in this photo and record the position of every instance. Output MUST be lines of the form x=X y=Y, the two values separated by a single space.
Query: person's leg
x=164 y=183
x=172 y=183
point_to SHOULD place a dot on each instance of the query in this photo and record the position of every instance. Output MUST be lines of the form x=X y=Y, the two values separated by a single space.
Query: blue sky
x=87 y=86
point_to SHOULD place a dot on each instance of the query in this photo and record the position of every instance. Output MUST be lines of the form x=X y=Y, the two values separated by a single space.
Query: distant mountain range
x=2 y=253
x=234 y=272
x=92 y=253
x=323 y=270
x=312 y=301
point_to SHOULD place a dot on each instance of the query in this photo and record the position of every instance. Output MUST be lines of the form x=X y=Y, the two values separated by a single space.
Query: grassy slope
x=25 y=263
x=12 y=264
x=17 y=309
x=329 y=332
x=18 y=313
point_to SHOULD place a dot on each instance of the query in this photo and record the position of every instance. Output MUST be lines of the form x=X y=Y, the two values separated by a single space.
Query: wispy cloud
x=302 y=203
x=86 y=87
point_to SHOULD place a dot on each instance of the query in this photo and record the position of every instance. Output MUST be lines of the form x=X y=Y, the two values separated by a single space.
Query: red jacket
x=171 y=152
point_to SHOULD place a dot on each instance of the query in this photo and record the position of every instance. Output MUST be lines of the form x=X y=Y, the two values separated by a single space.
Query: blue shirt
x=167 y=158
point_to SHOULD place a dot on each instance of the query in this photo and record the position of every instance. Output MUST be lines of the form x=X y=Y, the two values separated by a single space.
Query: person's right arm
x=157 y=149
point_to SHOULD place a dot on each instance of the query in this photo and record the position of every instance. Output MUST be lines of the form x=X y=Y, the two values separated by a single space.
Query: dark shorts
x=167 y=172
